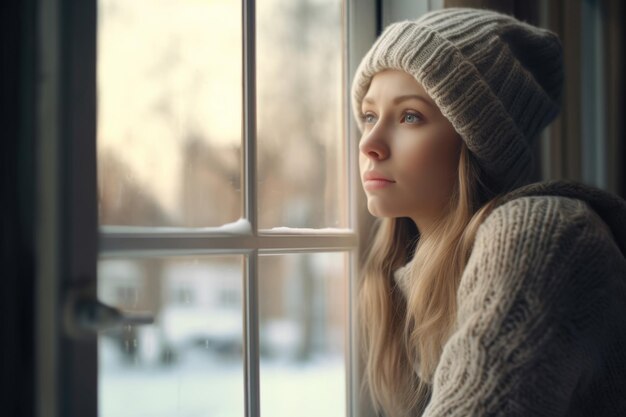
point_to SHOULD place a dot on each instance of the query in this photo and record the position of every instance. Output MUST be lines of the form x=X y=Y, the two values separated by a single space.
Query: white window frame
x=249 y=241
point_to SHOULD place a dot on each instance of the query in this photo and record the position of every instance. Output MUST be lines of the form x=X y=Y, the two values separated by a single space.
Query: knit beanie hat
x=497 y=79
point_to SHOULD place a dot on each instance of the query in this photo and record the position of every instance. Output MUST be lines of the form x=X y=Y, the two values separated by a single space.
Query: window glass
x=169 y=112
x=302 y=181
x=302 y=329
x=190 y=361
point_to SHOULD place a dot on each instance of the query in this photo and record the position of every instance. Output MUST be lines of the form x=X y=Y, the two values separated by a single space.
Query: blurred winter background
x=169 y=154
x=189 y=363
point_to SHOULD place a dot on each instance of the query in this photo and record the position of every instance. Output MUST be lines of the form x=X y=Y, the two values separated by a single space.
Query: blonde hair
x=400 y=333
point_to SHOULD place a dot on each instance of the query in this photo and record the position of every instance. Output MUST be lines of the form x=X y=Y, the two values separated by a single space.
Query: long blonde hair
x=401 y=333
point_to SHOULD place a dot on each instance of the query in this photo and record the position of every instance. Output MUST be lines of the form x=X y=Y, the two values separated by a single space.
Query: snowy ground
x=199 y=385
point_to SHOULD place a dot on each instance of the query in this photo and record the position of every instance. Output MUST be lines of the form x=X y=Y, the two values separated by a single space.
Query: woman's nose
x=373 y=145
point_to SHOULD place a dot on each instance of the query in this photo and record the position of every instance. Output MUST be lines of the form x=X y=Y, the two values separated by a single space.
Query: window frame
x=253 y=242
x=71 y=241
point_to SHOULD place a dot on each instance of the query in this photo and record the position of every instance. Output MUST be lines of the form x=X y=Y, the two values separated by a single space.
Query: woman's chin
x=378 y=210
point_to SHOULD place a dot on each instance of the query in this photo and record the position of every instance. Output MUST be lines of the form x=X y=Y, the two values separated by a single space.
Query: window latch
x=84 y=315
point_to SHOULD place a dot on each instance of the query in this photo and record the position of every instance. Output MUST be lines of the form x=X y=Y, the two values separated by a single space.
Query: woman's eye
x=411 y=118
x=366 y=118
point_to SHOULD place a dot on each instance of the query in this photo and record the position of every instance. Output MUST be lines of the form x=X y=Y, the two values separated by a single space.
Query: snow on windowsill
x=307 y=231
x=240 y=227
x=237 y=228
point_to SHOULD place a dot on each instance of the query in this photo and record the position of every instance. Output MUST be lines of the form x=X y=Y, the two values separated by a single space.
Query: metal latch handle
x=84 y=315
x=96 y=316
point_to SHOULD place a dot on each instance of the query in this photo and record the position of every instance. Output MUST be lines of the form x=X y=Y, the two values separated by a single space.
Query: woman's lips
x=375 y=180
x=377 y=183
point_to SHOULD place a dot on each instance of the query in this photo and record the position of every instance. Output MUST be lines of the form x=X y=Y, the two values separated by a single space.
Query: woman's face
x=410 y=146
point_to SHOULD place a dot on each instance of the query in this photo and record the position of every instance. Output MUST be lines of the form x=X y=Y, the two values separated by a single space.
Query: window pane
x=302 y=181
x=189 y=362
x=302 y=334
x=169 y=112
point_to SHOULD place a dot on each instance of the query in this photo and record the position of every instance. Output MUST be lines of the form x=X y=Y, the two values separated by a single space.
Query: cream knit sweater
x=541 y=321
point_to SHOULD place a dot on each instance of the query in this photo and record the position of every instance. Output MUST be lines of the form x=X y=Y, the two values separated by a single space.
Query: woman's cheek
x=435 y=177
x=419 y=160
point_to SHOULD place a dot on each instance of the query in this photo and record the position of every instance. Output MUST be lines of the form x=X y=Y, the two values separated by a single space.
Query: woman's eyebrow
x=399 y=99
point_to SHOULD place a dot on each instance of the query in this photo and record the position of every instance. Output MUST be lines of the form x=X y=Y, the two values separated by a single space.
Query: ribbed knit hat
x=497 y=79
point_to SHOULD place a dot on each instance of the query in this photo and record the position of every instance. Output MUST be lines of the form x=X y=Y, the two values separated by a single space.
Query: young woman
x=482 y=294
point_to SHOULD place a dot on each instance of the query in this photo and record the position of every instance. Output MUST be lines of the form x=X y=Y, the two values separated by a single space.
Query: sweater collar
x=609 y=206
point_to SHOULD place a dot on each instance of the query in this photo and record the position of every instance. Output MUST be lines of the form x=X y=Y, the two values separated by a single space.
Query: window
x=224 y=207
x=200 y=220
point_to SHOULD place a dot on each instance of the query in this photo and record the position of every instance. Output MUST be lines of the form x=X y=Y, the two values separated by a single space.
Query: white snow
x=239 y=227
x=308 y=231
x=202 y=386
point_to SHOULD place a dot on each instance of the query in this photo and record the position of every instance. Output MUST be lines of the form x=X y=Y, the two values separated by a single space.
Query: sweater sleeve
x=527 y=309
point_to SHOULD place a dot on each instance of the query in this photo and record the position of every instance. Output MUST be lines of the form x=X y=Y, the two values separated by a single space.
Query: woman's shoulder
x=551 y=252
x=563 y=204
x=543 y=218
x=545 y=242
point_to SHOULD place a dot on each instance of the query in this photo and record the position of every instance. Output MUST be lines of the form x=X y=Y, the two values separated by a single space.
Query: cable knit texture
x=496 y=78
x=541 y=321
